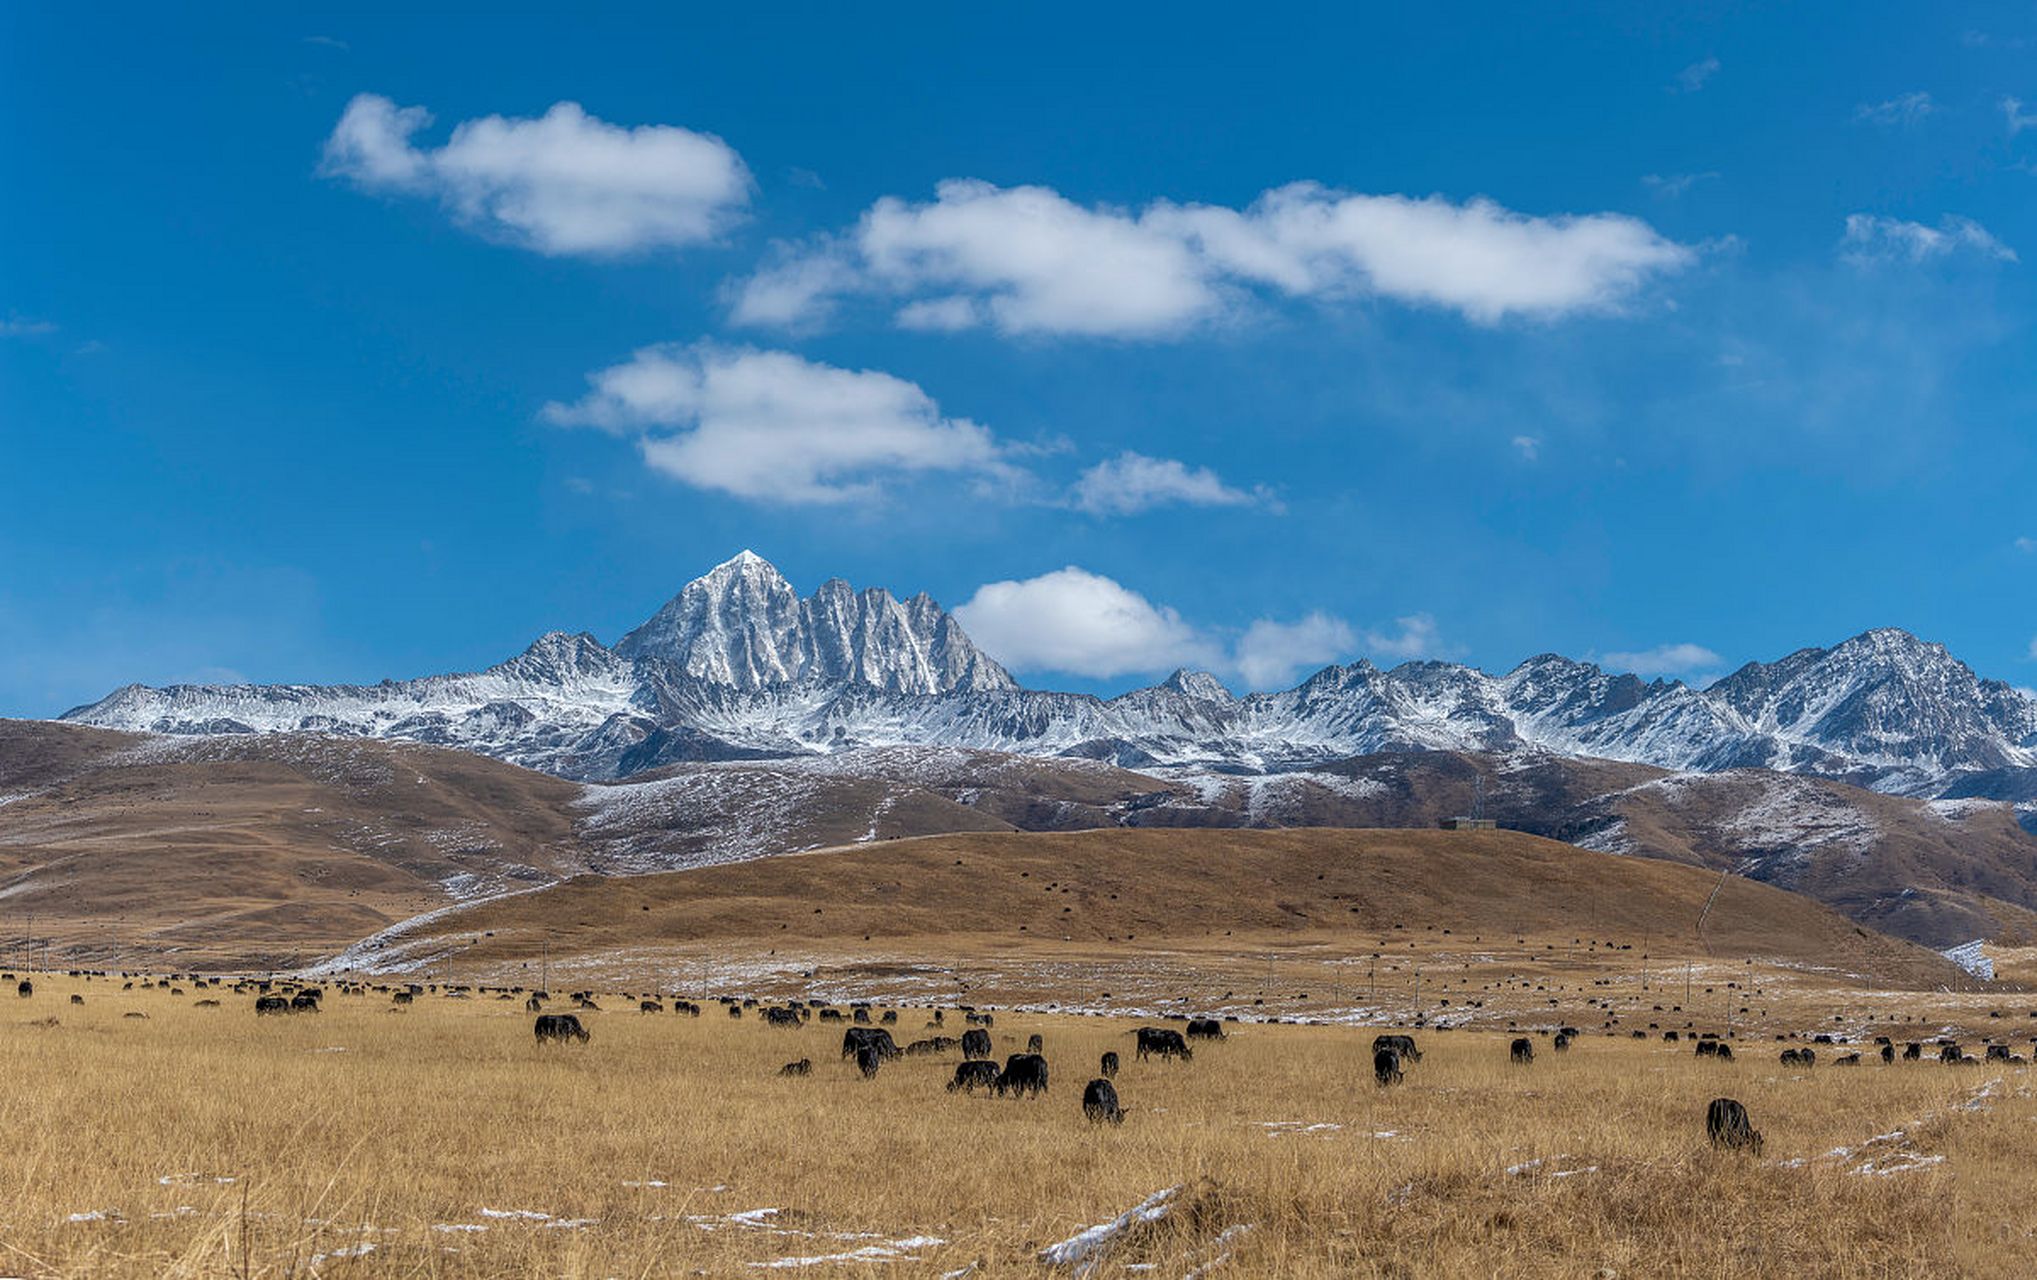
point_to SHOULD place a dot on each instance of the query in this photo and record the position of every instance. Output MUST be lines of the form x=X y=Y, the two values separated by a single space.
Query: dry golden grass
x=401 y=1130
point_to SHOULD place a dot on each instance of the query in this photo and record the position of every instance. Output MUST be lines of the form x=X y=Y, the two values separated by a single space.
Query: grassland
x=429 y=1141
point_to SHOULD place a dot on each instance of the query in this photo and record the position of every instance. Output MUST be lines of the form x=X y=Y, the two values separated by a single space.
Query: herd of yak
x=870 y=1044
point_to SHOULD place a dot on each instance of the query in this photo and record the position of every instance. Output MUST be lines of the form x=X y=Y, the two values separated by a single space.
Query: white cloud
x=1035 y=261
x=2012 y=114
x=2033 y=647
x=1026 y=260
x=1416 y=636
x=20 y=327
x=1132 y=482
x=565 y=183
x=1693 y=77
x=1270 y=654
x=1904 y=109
x=1870 y=239
x=770 y=426
x=1529 y=447
x=1082 y=623
x=1665 y=659
x=2027 y=546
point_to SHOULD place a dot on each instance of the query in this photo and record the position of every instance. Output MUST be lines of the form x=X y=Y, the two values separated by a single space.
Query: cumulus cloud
x=771 y=426
x=795 y=290
x=564 y=183
x=1270 y=654
x=1529 y=447
x=1693 y=77
x=1082 y=623
x=2033 y=647
x=1904 y=109
x=1665 y=659
x=1027 y=260
x=2014 y=117
x=1132 y=482
x=2027 y=546
x=1871 y=239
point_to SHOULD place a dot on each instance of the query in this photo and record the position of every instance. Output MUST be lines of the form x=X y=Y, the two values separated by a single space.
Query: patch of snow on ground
x=1085 y=1249
x=1970 y=957
x=1796 y=814
x=1961 y=810
x=890 y=1251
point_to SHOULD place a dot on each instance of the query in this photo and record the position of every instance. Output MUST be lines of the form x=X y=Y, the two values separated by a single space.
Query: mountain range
x=739 y=666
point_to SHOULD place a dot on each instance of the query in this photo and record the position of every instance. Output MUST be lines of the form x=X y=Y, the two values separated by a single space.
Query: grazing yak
x=1205 y=1029
x=1798 y=1057
x=868 y=1059
x=1846 y=1060
x=1726 y=1124
x=973 y=1074
x=25 y=989
x=1386 y=1066
x=1522 y=1051
x=1109 y=1065
x=877 y=1039
x=304 y=1002
x=1100 y=1103
x=559 y=1026
x=803 y=1067
x=781 y=1018
x=271 y=1004
x=1912 y=1051
x=932 y=1044
x=1562 y=1042
x=1036 y=1043
x=1023 y=1073
x=1164 y=1042
x=1402 y=1045
x=1888 y=1054
x=649 y=1006
x=976 y=1043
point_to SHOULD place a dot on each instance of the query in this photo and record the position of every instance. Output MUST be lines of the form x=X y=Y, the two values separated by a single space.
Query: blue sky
x=1147 y=337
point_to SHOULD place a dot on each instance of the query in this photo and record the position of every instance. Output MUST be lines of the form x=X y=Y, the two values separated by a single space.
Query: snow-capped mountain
x=739 y=665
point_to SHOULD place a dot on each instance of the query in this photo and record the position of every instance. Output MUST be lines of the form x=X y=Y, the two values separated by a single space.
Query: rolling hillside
x=1132 y=891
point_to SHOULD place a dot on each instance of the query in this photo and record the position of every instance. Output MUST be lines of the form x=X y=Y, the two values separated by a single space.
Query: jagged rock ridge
x=738 y=665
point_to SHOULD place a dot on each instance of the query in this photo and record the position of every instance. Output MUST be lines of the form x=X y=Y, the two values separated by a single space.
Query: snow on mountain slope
x=739 y=666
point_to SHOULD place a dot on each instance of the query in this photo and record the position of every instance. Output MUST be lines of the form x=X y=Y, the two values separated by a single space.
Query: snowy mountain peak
x=738 y=664
x=743 y=626
x=1197 y=684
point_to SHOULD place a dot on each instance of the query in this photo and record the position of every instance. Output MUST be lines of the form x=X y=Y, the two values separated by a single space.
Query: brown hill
x=254 y=851
x=280 y=849
x=1141 y=890
x=1936 y=872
